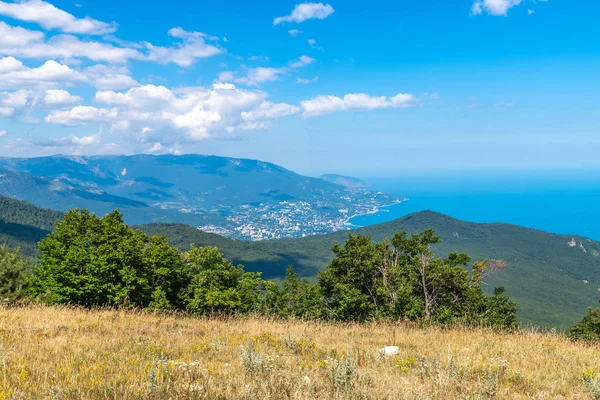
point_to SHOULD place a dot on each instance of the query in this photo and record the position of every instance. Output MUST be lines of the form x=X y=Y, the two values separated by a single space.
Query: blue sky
x=347 y=87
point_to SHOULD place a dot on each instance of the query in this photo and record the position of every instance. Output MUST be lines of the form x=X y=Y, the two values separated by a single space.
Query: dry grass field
x=64 y=353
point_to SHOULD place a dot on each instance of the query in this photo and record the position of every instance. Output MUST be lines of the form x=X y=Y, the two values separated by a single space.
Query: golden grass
x=64 y=353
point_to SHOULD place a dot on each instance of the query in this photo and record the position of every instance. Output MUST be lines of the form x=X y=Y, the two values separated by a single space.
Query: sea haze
x=565 y=202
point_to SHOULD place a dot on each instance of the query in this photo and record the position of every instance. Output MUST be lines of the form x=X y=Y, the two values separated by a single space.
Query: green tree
x=217 y=286
x=300 y=298
x=14 y=278
x=350 y=284
x=588 y=328
x=93 y=261
x=401 y=278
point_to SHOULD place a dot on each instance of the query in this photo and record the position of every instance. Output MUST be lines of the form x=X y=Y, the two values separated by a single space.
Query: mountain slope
x=23 y=225
x=545 y=273
x=240 y=198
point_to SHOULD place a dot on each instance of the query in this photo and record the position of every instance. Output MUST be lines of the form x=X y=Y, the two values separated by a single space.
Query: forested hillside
x=23 y=225
x=553 y=278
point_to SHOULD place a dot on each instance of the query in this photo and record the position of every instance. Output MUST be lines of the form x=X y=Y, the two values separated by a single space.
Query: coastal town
x=294 y=219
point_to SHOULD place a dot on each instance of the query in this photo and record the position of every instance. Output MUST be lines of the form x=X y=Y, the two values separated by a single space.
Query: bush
x=588 y=328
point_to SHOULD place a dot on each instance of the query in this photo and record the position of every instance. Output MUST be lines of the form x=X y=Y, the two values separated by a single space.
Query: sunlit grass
x=63 y=353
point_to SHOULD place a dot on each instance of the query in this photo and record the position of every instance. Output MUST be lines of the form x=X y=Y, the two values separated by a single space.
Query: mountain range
x=553 y=278
x=237 y=198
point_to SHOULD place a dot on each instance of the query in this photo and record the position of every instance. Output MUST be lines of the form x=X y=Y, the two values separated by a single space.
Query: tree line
x=100 y=261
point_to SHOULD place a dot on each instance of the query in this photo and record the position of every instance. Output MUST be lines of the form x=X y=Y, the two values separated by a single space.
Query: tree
x=588 y=328
x=300 y=298
x=401 y=278
x=217 y=286
x=349 y=284
x=14 y=278
x=93 y=261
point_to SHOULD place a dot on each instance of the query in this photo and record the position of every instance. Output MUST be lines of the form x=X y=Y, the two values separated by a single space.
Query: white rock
x=389 y=351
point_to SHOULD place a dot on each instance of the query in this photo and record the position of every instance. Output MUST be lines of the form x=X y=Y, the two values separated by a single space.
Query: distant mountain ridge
x=346 y=181
x=239 y=198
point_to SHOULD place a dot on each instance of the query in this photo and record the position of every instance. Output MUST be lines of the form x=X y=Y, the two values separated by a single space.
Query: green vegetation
x=23 y=225
x=92 y=261
x=588 y=328
x=14 y=278
x=551 y=281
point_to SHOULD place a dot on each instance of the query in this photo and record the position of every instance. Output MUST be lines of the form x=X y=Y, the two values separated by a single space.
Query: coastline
x=350 y=225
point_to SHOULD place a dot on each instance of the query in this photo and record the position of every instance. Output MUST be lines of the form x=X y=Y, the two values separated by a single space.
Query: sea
x=564 y=202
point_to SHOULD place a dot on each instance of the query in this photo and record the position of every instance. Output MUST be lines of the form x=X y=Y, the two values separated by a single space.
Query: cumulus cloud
x=269 y=110
x=106 y=77
x=50 y=17
x=360 y=101
x=156 y=114
x=15 y=75
x=294 y=32
x=20 y=42
x=59 y=98
x=493 y=7
x=302 y=61
x=193 y=47
x=305 y=11
x=255 y=76
x=82 y=115
x=3 y=133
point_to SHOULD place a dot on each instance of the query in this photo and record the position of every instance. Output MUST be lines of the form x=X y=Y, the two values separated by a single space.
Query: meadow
x=70 y=353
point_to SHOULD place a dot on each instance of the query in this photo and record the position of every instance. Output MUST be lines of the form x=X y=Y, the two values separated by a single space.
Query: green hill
x=23 y=225
x=546 y=274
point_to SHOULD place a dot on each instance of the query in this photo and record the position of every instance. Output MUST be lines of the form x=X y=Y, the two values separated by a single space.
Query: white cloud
x=82 y=115
x=294 y=32
x=3 y=133
x=184 y=54
x=14 y=75
x=50 y=17
x=305 y=11
x=493 y=7
x=105 y=77
x=86 y=140
x=156 y=147
x=255 y=76
x=269 y=110
x=530 y=12
x=327 y=104
x=15 y=99
x=151 y=114
x=302 y=61
x=20 y=42
x=307 y=81
x=6 y=111
x=226 y=76
x=60 y=97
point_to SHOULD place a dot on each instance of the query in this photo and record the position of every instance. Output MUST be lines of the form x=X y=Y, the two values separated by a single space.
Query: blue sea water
x=566 y=202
